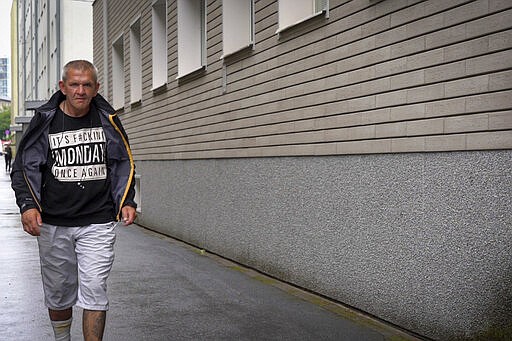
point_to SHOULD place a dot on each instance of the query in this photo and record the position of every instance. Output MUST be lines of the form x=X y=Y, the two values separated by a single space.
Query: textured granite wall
x=421 y=240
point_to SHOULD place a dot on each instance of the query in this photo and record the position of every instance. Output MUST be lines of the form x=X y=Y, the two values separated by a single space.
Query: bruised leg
x=94 y=324
x=60 y=315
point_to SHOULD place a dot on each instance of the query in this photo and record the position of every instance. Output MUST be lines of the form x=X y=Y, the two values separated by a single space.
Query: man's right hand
x=32 y=222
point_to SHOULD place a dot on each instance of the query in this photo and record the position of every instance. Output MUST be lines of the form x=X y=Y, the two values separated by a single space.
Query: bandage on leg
x=62 y=330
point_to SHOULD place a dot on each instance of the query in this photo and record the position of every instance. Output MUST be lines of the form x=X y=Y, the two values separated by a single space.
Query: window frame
x=135 y=61
x=159 y=44
x=227 y=29
x=187 y=33
x=319 y=8
x=118 y=73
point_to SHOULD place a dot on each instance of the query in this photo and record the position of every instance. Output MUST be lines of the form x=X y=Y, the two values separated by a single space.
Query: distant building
x=4 y=102
x=49 y=34
x=15 y=128
x=4 y=78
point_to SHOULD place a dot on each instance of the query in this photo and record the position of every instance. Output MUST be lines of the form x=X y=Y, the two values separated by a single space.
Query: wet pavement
x=163 y=289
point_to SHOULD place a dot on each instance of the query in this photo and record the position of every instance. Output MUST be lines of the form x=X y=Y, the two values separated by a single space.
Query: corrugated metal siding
x=375 y=77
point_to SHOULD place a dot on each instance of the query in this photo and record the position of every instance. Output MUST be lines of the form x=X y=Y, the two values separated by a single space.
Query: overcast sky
x=5 y=28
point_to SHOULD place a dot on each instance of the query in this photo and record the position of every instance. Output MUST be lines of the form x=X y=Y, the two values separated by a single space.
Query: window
x=135 y=63
x=191 y=36
x=159 y=43
x=118 y=73
x=292 y=12
x=237 y=25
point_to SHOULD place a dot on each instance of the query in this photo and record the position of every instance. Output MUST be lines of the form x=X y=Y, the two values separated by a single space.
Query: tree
x=5 y=122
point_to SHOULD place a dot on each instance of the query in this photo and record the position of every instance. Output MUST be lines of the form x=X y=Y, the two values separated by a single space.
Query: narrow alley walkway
x=162 y=289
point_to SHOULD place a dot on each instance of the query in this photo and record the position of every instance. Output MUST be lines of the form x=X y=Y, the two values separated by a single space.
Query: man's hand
x=128 y=214
x=32 y=222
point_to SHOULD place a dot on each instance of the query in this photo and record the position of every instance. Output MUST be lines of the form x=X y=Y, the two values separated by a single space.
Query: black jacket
x=32 y=153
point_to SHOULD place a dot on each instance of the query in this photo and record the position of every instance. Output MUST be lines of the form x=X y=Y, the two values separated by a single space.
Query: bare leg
x=94 y=324
x=60 y=315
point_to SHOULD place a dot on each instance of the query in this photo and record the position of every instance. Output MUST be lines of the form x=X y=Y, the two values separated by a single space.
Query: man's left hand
x=129 y=215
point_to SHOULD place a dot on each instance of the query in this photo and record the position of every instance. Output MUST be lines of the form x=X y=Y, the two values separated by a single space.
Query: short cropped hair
x=82 y=65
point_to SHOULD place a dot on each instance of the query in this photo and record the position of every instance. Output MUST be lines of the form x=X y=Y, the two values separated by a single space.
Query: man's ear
x=61 y=87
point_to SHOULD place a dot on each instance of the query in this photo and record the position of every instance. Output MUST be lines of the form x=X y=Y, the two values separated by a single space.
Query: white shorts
x=75 y=264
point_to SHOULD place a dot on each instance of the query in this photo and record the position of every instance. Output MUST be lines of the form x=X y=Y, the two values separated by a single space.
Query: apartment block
x=5 y=78
x=359 y=149
x=49 y=34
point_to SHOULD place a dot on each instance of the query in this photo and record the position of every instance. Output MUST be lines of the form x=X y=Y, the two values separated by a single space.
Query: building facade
x=4 y=102
x=5 y=78
x=49 y=33
x=15 y=128
x=360 y=149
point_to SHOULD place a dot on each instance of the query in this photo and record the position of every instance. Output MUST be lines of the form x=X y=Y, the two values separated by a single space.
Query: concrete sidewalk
x=162 y=289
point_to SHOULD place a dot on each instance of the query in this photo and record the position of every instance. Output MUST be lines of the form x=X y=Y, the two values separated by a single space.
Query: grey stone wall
x=421 y=240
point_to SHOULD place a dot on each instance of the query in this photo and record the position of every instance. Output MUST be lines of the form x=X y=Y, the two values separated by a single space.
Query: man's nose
x=81 y=89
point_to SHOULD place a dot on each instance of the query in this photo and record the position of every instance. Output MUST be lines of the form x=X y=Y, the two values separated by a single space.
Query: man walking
x=73 y=177
x=8 y=158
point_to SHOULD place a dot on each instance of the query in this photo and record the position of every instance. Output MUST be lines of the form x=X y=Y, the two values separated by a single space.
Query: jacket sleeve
x=24 y=196
x=130 y=195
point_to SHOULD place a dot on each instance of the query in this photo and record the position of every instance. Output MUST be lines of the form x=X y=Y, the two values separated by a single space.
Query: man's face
x=79 y=88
